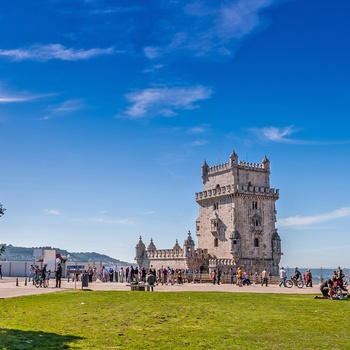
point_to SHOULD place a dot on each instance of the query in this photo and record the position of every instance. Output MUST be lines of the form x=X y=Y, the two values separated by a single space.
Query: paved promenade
x=9 y=288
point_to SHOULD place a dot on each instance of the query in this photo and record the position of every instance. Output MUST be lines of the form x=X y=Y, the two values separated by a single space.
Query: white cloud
x=207 y=28
x=279 y=135
x=197 y=130
x=64 y=108
x=54 y=212
x=164 y=101
x=315 y=219
x=53 y=51
x=113 y=221
x=14 y=99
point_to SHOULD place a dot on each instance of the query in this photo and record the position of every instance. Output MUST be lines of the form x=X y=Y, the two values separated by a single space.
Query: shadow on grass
x=13 y=339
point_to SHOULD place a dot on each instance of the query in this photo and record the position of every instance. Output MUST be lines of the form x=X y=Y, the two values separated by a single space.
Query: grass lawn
x=84 y=319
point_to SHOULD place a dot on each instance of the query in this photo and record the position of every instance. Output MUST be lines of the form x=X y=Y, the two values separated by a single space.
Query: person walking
x=283 y=277
x=31 y=272
x=264 y=276
x=58 y=276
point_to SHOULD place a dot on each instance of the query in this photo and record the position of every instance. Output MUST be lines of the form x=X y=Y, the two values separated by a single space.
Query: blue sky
x=109 y=108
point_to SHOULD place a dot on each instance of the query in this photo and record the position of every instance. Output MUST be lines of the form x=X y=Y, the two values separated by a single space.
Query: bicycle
x=294 y=282
x=40 y=282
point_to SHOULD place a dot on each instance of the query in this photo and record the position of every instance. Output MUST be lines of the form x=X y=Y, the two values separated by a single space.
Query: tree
x=2 y=212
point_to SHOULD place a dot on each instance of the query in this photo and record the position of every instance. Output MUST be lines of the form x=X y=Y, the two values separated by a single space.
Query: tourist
x=43 y=272
x=121 y=275
x=214 y=276
x=264 y=277
x=116 y=273
x=151 y=279
x=90 y=272
x=283 y=277
x=31 y=272
x=168 y=274
x=164 y=272
x=143 y=274
x=127 y=274
x=111 y=273
x=326 y=289
x=232 y=275
x=340 y=274
x=306 y=278
x=136 y=273
x=296 y=274
x=58 y=273
x=219 y=275
x=132 y=273
x=179 y=276
x=310 y=278
x=240 y=277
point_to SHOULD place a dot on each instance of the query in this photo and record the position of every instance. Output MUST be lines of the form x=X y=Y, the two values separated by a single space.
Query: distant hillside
x=13 y=253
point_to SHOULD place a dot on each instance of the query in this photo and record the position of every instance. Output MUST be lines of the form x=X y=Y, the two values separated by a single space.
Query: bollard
x=25 y=281
x=17 y=282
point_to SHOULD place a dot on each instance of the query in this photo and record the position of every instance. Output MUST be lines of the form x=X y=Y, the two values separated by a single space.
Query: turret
x=189 y=246
x=140 y=252
x=205 y=168
x=151 y=247
x=233 y=159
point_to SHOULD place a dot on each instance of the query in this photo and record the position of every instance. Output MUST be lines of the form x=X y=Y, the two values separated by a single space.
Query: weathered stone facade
x=236 y=223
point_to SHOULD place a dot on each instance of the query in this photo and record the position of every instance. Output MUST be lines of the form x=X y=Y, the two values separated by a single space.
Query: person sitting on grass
x=327 y=289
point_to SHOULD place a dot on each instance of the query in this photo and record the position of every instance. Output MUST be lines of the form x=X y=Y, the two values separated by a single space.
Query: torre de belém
x=235 y=227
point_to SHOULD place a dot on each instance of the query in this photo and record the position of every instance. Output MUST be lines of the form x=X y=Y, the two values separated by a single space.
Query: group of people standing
x=42 y=274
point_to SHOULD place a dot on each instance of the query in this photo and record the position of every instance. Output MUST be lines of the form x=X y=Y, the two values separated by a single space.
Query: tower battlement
x=237 y=189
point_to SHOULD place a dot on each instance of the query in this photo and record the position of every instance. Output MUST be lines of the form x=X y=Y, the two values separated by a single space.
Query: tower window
x=255 y=205
x=216 y=206
x=216 y=242
x=256 y=242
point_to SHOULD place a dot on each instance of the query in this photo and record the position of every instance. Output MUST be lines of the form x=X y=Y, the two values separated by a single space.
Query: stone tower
x=237 y=216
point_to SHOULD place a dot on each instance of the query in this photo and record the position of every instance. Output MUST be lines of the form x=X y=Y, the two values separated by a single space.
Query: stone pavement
x=9 y=288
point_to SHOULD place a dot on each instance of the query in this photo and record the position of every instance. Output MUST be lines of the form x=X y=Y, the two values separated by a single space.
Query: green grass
x=132 y=320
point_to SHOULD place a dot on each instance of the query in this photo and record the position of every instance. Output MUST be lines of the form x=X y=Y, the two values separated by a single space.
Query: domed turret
x=177 y=246
x=151 y=247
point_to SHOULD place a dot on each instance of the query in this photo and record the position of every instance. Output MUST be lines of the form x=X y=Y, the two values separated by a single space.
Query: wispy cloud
x=196 y=143
x=113 y=221
x=64 y=108
x=200 y=129
x=7 y=96
x=53 y=51
x=315 y=219
x=164 y=101
x=279 y=135
x=207 y=28
x=54 y=212
x=284 y=135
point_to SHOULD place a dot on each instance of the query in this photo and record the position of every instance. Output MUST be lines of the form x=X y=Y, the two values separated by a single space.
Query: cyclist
x=296 y=274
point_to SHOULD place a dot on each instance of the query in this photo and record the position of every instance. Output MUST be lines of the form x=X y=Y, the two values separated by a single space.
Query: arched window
x=256 y=242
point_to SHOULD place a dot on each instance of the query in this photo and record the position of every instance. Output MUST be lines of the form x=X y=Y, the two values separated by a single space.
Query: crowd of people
x=331 y=288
